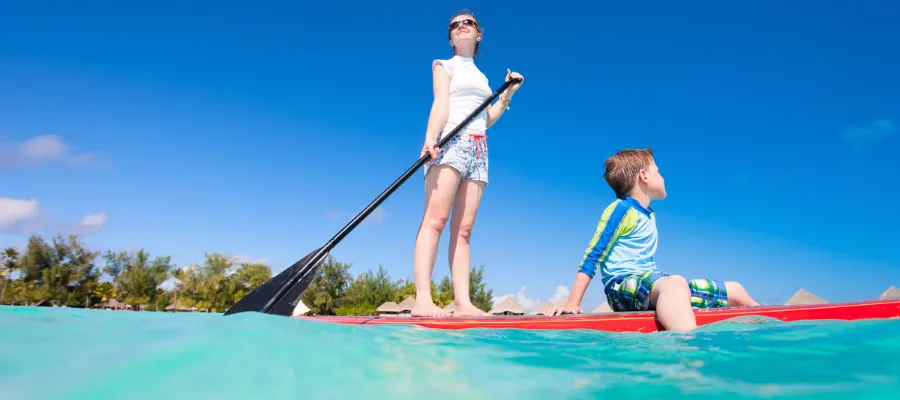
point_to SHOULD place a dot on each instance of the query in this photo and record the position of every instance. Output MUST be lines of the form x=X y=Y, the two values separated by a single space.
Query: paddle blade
x=286 y=305
x=258 y=299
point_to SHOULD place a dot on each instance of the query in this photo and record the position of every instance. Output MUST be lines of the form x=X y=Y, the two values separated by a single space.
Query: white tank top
x=468 y=89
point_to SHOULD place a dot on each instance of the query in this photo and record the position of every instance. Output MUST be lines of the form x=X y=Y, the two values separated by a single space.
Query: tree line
x=65 y=272
x=333 y=291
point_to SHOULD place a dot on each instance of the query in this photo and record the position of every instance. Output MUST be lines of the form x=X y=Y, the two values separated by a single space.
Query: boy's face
x=656 y=185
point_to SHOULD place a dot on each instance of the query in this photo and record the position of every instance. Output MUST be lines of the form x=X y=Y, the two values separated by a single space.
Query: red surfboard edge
x=644 y=322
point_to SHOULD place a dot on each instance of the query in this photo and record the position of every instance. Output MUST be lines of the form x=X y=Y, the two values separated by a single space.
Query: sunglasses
x=465 y=22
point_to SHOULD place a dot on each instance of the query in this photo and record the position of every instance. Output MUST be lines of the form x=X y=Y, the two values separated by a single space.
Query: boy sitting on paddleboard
x=623 y=248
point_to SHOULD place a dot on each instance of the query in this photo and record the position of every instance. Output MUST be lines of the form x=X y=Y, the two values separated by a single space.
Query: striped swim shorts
x=632 y=292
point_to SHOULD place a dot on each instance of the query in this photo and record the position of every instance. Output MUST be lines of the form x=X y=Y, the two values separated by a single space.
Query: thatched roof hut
x=805 y=297
x=542 y=308
x=604 y=307
x=892 y=293
x=507 y=307
x=388 y=309
x=45 y=303
x=407 y=305
x=174 y=308
x=112 y=304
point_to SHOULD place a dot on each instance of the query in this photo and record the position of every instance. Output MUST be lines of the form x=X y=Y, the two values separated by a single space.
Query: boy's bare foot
x=468 y=311
x=427 y=310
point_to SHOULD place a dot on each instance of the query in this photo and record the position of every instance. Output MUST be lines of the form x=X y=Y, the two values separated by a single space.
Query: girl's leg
x=440 y=190
x=465 y=207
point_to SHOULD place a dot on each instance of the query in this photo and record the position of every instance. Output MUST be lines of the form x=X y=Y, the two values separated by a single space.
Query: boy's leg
x=738 y=296
x=711 y=293
x=671 y=297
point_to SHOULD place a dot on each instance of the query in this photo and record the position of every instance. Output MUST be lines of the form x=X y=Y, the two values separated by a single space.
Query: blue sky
x=261 y=129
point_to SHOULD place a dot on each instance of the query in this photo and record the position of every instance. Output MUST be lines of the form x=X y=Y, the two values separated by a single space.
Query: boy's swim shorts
x=632 y=292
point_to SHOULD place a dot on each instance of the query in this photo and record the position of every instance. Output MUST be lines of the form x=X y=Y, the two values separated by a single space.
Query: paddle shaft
x=317 y=258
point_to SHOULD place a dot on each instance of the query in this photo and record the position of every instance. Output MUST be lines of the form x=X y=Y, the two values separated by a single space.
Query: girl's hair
x=465 y=11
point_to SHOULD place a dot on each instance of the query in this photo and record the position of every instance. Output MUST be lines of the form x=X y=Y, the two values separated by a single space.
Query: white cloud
x=168 y=284
x=189 y=267
x=47 y=147
x=377 y=215
x=335 y=214
x=26 y=216
x=861 y=135
x=245 y=259
x=561 y=295
x=41 y=150
x=94 y=221
x=873 y=130
x=13 y=212
x=90 y=223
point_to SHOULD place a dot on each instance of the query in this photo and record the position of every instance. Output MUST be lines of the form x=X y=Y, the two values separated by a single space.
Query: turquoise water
x=59 y=353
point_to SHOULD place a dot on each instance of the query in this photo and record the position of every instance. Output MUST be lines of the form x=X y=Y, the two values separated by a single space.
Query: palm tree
x=9 y=262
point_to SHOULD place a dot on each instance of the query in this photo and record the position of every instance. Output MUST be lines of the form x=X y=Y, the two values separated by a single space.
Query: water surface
x=62 y=353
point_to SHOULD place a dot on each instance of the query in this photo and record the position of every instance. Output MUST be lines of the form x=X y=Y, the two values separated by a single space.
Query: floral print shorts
x=467 y=153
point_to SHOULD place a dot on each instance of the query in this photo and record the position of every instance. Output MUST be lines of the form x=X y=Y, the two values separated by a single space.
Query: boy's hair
x=623 y=167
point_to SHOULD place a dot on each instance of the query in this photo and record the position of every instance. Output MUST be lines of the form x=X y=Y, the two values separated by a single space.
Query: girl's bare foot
x=427 y=310
x=468 y=311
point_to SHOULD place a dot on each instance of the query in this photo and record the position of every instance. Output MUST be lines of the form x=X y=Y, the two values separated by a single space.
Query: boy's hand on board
x=564 y=310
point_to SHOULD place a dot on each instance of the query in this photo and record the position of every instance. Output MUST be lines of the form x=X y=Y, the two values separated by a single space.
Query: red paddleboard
x=634 y=321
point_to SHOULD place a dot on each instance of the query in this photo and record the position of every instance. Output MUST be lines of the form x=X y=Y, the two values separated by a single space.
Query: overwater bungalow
x=174 y=308
x=507 y=307
x=388 y=309
x=604 y=307
x=542 y=308
x=110 y=304
x=892 y=293
x=406 y=306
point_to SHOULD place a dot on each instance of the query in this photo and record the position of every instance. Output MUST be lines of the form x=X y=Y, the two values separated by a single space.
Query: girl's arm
x=496 y=110
x=440 y=109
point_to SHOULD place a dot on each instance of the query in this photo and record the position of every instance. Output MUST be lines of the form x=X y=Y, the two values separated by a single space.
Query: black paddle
x=280 y=294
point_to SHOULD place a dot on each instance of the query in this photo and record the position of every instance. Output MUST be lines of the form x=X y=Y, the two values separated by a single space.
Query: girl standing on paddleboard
x=458 y=173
